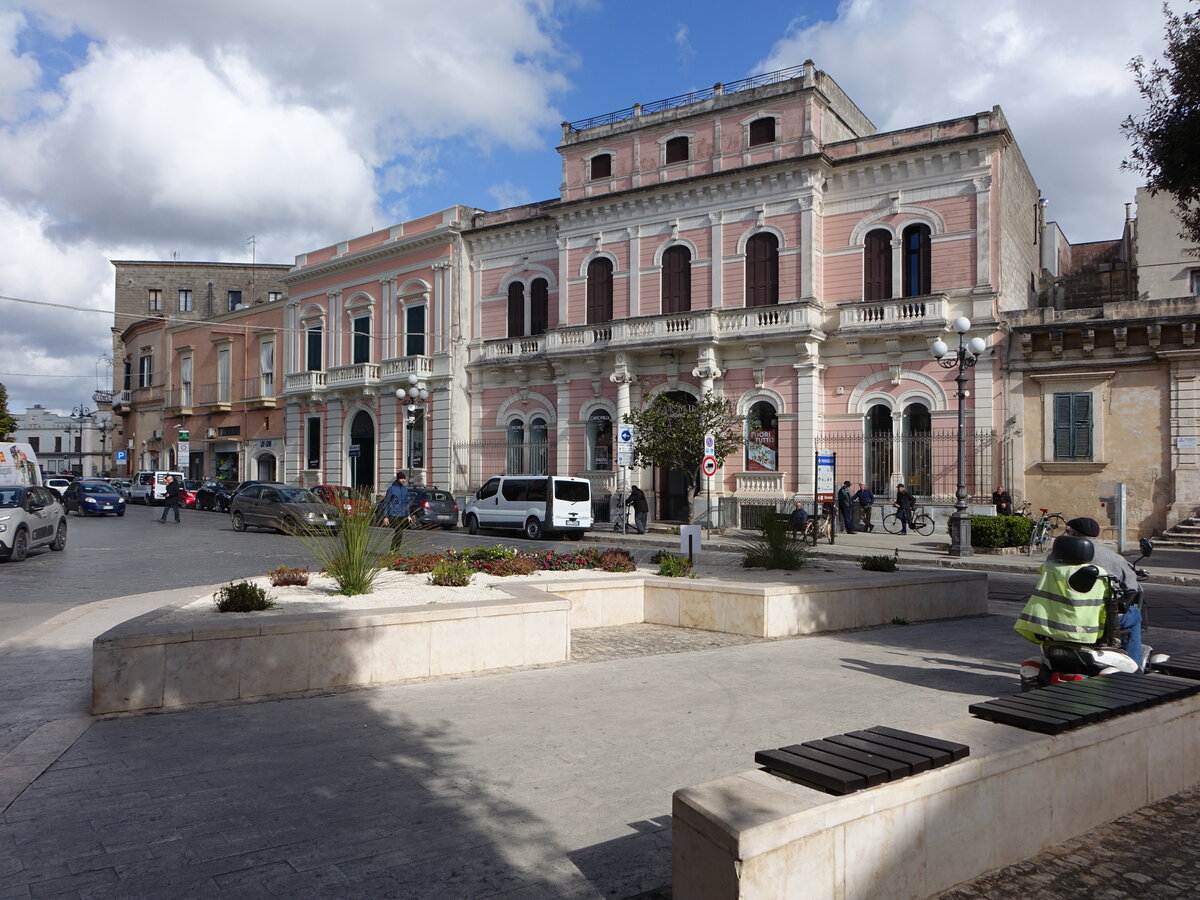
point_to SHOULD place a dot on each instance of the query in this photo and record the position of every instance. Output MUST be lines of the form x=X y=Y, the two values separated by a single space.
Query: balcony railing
x=711 y=325
x=259 y=390
x=354 y=375
x=421 y=366
x=897 y=313
x=304 y=381
x=179 y=401
x=770 y=483
x=219 y=394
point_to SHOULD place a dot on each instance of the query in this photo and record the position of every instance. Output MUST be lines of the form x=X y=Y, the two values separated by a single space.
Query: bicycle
x=921 y=523
x=1043 y=530
x=1025 y=510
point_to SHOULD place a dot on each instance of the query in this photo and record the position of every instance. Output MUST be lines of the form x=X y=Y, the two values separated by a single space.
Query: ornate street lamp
x=78 y=414
x=415 y=393
x=962 y=359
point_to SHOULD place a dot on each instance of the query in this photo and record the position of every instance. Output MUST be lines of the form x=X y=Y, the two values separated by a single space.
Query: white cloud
x=683 y=45
x=19 y=72
x=1059 y=74
x=508 y=194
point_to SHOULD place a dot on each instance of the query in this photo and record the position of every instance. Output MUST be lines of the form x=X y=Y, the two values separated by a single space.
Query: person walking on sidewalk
x=172 y=500
x=905 y=504
x=640 y=507
x=845 y=505
x=397 y=506
x=865 y=498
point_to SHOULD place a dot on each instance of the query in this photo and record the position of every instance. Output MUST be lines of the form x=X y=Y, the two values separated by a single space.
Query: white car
x=58 y=485
x=538 y=505
x=30 y=517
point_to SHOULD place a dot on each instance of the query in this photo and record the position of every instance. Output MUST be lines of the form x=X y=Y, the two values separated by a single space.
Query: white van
x=151 y=487
x=19 y=465
x=535 y=504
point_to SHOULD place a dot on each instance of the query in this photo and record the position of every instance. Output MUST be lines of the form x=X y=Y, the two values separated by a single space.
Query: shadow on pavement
x=954 y=678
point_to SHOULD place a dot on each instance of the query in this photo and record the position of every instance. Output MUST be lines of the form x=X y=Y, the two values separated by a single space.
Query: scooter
x=1064 y=661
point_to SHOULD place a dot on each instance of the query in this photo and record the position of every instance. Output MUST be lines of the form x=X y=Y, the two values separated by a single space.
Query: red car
x=187 y=494
x=344 y=498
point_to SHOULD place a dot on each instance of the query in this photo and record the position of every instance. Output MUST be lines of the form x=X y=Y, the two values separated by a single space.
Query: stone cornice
x=444 y=234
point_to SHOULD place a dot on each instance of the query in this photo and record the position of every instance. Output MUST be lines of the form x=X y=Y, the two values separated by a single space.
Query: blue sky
x=137 y=131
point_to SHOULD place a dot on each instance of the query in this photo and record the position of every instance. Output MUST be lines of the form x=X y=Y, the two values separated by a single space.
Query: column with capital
x=808 y=414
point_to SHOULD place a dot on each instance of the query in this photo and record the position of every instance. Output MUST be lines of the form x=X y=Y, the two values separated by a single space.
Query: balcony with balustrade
x=894 y=315
x=258 y=392
x=312 y=383
x=217 y=397
x=400 y=367
x=783 y=321
x=356 y=376
x=178 y=402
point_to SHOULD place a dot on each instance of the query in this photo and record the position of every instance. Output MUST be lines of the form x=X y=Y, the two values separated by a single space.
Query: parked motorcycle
x=1063 y=661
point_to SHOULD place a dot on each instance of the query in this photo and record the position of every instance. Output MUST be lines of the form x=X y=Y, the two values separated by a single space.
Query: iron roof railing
x=732 y=87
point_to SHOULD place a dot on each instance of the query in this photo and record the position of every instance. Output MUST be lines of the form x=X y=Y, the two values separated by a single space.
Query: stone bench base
x=755 y=835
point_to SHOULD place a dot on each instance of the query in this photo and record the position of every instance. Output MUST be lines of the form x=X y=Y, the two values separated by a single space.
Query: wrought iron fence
x=476 y=461
x=926 y=463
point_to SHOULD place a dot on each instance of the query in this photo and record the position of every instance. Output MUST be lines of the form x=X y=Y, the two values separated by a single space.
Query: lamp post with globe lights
x=415 y=393
x=80 y=415
x=962 y=358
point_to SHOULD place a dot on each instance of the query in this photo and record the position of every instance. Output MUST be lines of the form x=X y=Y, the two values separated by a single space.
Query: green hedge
x=1000 y=531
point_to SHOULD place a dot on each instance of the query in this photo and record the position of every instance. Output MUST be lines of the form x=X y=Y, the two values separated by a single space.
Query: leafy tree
x=8 y=425
x=1166 y=137
x=670 y=435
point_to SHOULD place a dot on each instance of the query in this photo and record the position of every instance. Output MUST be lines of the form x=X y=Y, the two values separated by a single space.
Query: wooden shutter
x=877 y=266
x=539 y=306
x=676 y=280
x=1072 y=426
x=516 y=309
x=762 y=270
x=599 y=291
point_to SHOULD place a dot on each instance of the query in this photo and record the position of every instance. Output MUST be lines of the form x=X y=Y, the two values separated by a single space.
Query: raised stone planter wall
x=755 y=835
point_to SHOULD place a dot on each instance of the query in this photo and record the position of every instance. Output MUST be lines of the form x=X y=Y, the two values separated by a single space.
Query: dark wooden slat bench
x=844 y=763
x=1186 y=666
x=1063 y=707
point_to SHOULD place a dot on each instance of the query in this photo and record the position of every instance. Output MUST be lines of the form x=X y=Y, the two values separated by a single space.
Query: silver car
x=286 y=509
x=30 y=517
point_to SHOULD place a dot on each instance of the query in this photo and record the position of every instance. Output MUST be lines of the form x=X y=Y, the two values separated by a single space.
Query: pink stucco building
x=758 y=239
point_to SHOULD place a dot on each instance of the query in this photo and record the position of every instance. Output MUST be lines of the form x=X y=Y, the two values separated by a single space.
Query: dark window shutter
x=1081 y=426
x=599 y=291
x=539 y=306
x=762 y=131
x=762 y=270
x=602 y=166
x=877 y=266
x=516 y=309
x=676 y=280
x=916 y=261
x=677 y=150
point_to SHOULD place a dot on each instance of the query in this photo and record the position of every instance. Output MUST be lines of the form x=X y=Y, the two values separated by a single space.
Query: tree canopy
x=670 y=434
x=8 y=425
x=1166 y=137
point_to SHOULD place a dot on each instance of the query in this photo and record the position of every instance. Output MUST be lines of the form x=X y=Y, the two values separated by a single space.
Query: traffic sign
x=710 y=466
x=354 y=451
x=710 y=445
x=825 y=476
x=119 y=456
x=625 y=445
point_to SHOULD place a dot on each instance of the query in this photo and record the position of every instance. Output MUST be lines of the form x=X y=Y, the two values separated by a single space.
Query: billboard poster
x=761 y=455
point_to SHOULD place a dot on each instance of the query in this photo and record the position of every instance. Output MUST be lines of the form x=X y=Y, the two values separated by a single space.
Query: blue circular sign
x=627 y=435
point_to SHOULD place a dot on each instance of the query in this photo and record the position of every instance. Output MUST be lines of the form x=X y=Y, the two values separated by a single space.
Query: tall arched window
x=516 y=309
x=516 y=447
x=539 y=439
x=762 y=270
x=878 y=436
x=916 y=260
x=762 y=438
x=676 y=280
x=918 y=449
x=539 y=306
x=414 y=330
x=877 y=265
x=599 y=441
x=313 y=348
x=599 y=291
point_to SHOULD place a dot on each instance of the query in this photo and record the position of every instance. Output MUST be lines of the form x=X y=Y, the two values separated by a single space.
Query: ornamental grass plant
x=776 y=546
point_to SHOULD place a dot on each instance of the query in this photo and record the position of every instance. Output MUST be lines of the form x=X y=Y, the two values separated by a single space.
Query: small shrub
x=243 y=596
x=899 y=620
x=451 y=573
x=672 y=566
x=616 y=561
x=518 y=565
x=882 y=563
x=485 y=553
x=999 y=531
x=550 y=561
x=659 y=555
x=283 y=577
x=420 y=563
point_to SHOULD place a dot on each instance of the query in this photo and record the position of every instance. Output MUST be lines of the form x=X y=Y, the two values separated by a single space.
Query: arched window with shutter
x=676 y=280
x=516 y=309
x=762 y=270
x=599 y=291
x=539 y=306
x=916 y=260
x=877 y=265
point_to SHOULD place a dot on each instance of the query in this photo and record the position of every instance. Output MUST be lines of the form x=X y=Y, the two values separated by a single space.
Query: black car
x=433 y=507
x=214 y=495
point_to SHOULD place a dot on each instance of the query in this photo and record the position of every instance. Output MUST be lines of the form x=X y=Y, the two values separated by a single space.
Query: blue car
x=93 y=498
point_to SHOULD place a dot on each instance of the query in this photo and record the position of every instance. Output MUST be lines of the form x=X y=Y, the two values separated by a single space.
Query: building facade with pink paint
x=759 y=239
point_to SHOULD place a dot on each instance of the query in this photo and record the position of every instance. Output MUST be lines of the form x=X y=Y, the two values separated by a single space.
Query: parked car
x=122 y=485
x=213 y=494
x=287 y=509
x=93 y=497
x=344 y=498
x=151 y=487
x=58 y=484
x=242 y=485
x=535 y=504
x=30 y=516
x=433 y=507
x=187 y=494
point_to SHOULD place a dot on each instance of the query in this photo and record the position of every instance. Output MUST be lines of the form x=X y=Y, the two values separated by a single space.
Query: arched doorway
x=266 y=467
x=673 y=499
x=878 y=462
x=918 y=456
x=362 y=436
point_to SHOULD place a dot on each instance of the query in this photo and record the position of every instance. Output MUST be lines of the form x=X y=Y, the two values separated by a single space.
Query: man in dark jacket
x=397 y=506
x=865 y=498
x=845 y=505
x=1003 y=501
x=905 y=504
x=641 y=508
x=172 y=500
